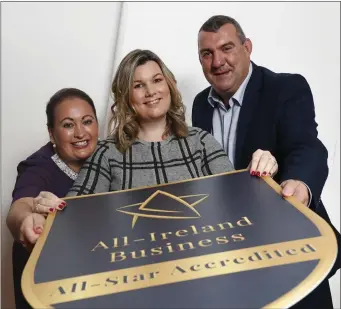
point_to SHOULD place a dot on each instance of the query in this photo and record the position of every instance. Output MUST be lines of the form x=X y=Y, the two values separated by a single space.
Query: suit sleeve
x=94 y=176
x=304 y=157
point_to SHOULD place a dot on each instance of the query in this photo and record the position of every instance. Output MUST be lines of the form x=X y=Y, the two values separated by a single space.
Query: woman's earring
x=54 y=145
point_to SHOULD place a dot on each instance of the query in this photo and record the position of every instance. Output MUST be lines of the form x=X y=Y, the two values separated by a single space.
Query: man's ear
x=52 y=140
x=248 y=46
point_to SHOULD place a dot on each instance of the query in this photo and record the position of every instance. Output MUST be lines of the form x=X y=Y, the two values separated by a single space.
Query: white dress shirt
x=225 y=119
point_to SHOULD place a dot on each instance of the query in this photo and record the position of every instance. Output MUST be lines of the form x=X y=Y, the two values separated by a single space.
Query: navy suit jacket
x=277 y=115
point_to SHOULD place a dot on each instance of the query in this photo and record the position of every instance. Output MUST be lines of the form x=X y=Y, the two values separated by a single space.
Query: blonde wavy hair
x=124 y=125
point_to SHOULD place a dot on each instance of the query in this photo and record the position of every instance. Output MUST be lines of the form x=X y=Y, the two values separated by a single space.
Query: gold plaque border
x=48 y=291
x=286 y=300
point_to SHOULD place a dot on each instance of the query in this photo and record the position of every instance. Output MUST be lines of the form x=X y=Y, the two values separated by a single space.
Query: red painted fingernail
x=63 y=203
x=61 y=207
x=258 y=174
x=264 y=173
x=51 y=209
x=269 y=174
x=253 y=173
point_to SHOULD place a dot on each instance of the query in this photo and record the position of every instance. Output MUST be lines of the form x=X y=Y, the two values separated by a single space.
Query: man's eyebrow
x=221 y=46
x=227 y=43
x=204 y=49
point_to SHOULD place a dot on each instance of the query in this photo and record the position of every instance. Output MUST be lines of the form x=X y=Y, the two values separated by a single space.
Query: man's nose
x=217 y=61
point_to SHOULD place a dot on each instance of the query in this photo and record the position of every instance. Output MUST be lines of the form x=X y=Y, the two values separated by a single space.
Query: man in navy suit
x=248 y=107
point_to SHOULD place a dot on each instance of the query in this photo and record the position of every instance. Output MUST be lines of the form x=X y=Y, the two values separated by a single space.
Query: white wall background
x=47 y=46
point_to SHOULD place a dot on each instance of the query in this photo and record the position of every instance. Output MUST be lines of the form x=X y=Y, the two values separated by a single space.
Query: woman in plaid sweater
x=150 y=142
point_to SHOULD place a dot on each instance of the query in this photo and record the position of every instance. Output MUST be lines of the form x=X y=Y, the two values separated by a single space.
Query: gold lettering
x=169 y=247
x=152 y=236
x=115 y=255
x=142 y=254
x=101 y=244
x=244 y=221
x=164 y=235
x=221 y=240
x=181 y=233
x=229 y=224
x=125 y=242
x=238 y=237
x=208 y=228
x=194 y=229
x=205 y=243
x=182 y=248
x=156 y=251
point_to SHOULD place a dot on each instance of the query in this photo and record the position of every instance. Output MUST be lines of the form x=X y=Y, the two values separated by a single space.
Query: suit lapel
x=251 y=98
x=207 y=118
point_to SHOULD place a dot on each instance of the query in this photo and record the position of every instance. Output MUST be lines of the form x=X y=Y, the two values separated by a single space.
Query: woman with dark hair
x=150 y=142
x=49 y=173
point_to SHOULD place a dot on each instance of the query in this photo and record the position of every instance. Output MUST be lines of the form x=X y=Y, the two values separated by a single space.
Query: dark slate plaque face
x=223 y=241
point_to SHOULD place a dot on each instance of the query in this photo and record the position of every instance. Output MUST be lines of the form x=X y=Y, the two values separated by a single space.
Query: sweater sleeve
x=95 y=175
x=30 y=182
x=214 y=158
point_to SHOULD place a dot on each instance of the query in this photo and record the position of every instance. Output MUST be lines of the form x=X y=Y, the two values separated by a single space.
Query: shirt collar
x=238 y=96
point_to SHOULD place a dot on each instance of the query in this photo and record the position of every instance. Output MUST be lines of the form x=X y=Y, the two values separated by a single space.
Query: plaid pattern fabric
x=151 y=163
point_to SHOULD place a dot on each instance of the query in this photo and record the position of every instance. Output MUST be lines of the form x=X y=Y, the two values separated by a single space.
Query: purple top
x=40 y=172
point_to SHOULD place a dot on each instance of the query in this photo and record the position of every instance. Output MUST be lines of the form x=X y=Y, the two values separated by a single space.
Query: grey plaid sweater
x=151 y=163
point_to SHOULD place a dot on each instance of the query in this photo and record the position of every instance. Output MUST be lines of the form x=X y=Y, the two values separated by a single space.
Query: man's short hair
x=214 y=23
